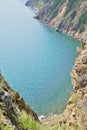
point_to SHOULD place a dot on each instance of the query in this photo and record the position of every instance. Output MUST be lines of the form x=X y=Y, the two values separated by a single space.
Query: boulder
x=7 y=99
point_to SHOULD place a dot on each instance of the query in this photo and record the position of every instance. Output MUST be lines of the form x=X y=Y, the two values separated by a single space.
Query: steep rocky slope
x=15 y=114
x=69 y=16
x=75 y=115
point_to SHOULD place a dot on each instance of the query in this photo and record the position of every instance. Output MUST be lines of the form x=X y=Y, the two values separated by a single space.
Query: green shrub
x=74 y=97
x=2 y=127
x=26 y=123
x=64 y=127
x=75 y=127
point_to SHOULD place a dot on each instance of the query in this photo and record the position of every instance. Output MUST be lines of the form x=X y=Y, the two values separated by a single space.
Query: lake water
x=35 y=60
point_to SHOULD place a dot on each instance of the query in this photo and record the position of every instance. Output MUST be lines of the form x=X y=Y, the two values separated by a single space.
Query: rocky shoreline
x=79 y=36
x=71 y=21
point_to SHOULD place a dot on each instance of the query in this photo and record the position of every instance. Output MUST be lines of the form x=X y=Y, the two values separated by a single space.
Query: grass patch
x=2 y=127
x=64 y=127
x=26 y=123
x=1 y=85
x=75 y=127
x=74 y=97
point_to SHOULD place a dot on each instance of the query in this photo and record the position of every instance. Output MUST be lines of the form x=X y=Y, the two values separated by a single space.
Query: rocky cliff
x=68 y=16
x=15 y=114
x=75 y=115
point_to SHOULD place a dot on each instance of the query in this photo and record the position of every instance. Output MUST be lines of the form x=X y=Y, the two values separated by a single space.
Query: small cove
x=35 y=60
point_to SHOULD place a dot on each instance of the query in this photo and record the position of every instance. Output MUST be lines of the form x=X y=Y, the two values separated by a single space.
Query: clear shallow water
x=35 y=60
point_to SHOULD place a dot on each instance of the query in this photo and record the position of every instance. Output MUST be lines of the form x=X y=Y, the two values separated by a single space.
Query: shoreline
x=81 y=37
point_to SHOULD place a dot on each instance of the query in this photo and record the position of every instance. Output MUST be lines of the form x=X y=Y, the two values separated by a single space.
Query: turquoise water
x=35 y=60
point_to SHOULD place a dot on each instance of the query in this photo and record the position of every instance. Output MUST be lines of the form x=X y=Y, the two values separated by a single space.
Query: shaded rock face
x=36 y=2
x=6 y=98
x=67 y=16
x=11 y=107
x=32 y=3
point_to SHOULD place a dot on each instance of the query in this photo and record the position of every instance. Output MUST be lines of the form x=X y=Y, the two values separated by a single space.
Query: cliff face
x=15 y=114
x=75 y=115
x=65 y=15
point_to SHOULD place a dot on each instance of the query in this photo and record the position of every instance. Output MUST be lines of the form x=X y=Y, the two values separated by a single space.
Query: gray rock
x=7 y=99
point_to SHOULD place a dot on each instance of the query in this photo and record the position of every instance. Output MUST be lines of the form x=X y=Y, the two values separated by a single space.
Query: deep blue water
x=35 y=60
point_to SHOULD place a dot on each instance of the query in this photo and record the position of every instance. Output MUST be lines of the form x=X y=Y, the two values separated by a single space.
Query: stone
x=83 y=81
x=42 y=117
x=70 y=123
x=84 y=60
x=7 y=99
x=73 y=114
